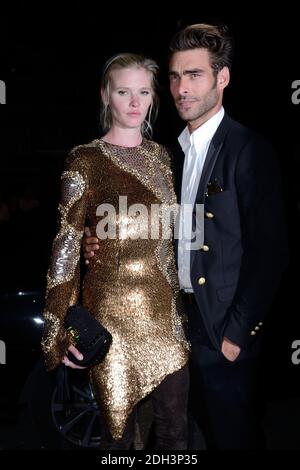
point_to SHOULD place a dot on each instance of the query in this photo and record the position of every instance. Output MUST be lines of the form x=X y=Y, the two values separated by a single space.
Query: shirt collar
x=204 y=133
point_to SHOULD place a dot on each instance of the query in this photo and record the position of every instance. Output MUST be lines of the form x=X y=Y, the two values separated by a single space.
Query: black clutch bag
x=88 y=336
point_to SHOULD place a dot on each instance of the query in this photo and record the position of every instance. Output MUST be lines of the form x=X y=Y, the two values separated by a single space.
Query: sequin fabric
x=63 y=272
x=130 y=284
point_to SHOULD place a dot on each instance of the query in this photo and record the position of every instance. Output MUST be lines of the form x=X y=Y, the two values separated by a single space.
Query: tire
x=77 y=418
x=55 y=415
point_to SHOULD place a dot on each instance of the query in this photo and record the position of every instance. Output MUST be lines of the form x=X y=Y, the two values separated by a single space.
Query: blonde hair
x=122 y=61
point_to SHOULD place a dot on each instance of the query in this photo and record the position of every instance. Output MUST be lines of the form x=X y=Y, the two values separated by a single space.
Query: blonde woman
x=130 y=284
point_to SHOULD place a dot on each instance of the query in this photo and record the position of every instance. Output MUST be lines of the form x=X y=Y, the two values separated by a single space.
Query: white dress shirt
x=195 y=147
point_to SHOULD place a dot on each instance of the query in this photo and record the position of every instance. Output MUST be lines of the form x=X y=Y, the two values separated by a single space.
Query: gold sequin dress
x=131 y=283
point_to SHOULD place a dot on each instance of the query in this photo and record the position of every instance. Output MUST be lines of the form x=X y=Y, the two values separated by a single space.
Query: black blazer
x=244 y=230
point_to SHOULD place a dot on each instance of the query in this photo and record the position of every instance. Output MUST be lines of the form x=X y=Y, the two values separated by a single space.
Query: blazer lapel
x=213 y=152
x=211 y=158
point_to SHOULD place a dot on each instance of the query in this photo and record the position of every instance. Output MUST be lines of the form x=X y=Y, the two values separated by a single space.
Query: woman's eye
x=121 y=92
x=145 y=92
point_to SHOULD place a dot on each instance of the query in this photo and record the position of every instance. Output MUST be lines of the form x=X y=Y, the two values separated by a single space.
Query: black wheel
x=77 y=418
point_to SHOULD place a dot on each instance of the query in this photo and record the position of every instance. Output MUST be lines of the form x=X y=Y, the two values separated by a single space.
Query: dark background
x=50 y=59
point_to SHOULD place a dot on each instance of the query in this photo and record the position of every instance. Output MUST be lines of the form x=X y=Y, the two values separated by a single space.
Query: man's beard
x=200 y=108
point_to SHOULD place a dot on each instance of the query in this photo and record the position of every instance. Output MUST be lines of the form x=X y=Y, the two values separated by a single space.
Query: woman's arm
x=63 y=277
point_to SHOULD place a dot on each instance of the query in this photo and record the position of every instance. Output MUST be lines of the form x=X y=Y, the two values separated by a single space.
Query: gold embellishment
x=52 y=326
x=66 y=254
x=66 y=245
x=149 y=170
x=165 y=261
x=75 y=336
x=74 y=188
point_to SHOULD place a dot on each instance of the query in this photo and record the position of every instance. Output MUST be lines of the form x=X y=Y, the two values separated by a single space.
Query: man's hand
x=230 y=349
x=90 y=245
x=78 y=356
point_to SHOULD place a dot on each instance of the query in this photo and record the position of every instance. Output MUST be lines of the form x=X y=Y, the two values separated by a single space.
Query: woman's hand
x=78 y=356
